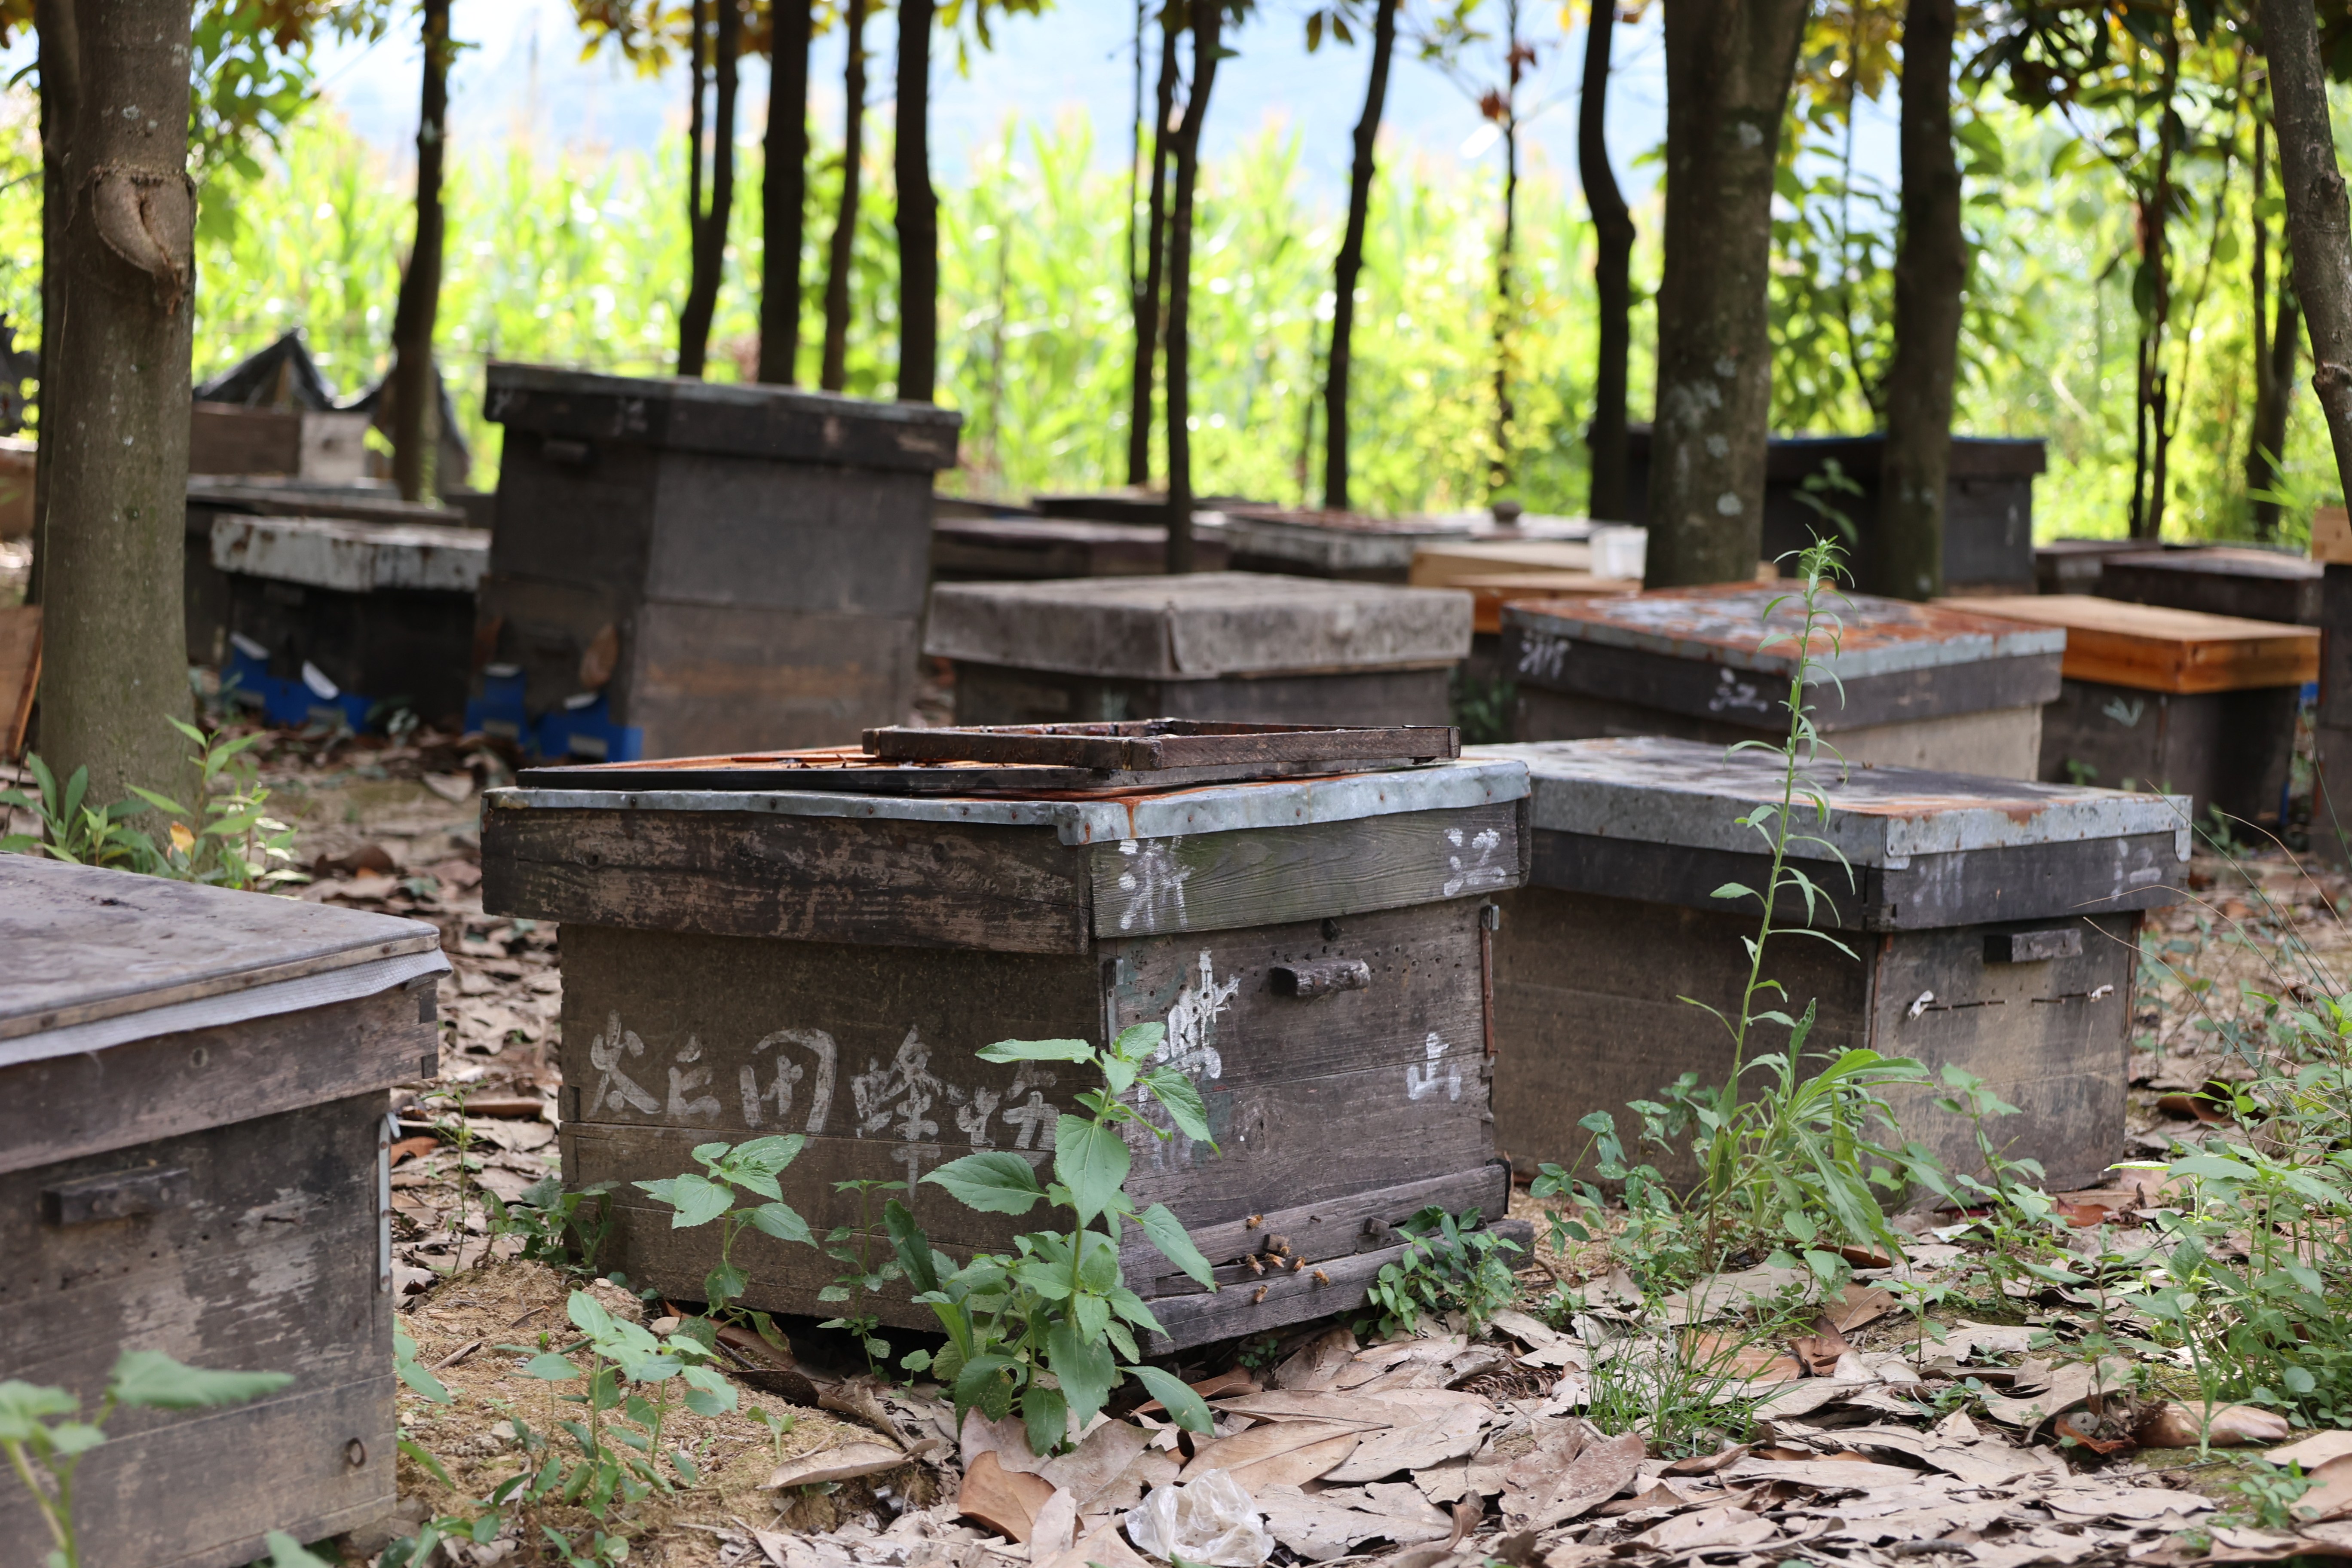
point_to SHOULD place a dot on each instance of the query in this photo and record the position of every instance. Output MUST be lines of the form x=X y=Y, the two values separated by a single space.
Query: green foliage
x=1678 y=1390
x=562 y=1226
x=699 y=1199
x=1450 y=1265
x=71 y=829
x=2270 y=1495
x=852 y=1246
x=1036 y=1329
x=45 y=1441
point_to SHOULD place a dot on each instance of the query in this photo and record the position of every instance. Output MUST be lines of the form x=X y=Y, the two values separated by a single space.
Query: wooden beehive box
x=385 y=611
x=1996 y=924
x=755 y=556
x=193 y=1115
x=826 y=959
x=2171 y=699
x=1361 y=548
x=1924 y=685
x=2222 y=580
x=1239 y=646
x=1003 y=549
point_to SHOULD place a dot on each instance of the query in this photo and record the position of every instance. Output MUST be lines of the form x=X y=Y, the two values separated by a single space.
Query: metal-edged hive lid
x=1358 y=542
x=353 y=557
x=1724 y=624
x=1198 y=626
x=98 y=958
x=1690 y=795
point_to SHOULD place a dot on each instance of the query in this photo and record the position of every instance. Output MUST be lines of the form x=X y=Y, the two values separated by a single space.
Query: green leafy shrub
x=697 y=1199
x=1451 y=1264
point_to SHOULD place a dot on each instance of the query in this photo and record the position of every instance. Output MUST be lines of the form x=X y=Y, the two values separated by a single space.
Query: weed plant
x=1451 y=1264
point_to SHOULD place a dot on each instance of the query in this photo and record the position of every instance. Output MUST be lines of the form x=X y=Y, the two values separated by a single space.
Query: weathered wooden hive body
x=2225 y=580
x=350 y=615
x=1008 y=549
x=2172 y=700
x=718 y=566
x=1923 y=685
x=1243 y=647
x=192 y=1116
x=744 y=957
x=1995 y=923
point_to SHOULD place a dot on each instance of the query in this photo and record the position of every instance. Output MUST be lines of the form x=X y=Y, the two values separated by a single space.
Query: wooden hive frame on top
x=745 y=963
x=194 y=1160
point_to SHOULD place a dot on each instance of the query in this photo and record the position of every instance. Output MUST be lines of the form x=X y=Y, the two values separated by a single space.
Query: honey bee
x=1258 y=1296
x=1255 y=1265
x=1255 y=1221
x=1296 y=1264
x=1321 y=1277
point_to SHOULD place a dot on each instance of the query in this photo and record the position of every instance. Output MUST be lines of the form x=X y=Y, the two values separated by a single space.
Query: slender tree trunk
x=2150 y=438
x=2318 y=234
x=1208 y=19
x=59 y=58
x=2273 y=358
x=1930 y=273
x=698 y=57
x=711 y=230
x=114 y=414
x=918 y=210
x=833 y=374
x=416 y=389
x=783 y=191
x=1147 y=298
x=1337 y=364
x=1728 y=67
x=1498 y=474
x=1613 y=267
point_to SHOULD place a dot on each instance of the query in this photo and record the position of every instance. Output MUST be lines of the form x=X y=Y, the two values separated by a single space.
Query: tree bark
x=2151 y=440
x=710 y=227
x=1350 y=263
x=58 y=61
x=833 y=372
x=1208 y=19
x=1728 y=67
x=1613 y=265
x=2319 y=235
x=918 y=210
x=1498 y=473
x=2274 y=360
x=1147 y=298
x=416 y=389
x=1930 y=272
x=114 y=423
x=784 y=190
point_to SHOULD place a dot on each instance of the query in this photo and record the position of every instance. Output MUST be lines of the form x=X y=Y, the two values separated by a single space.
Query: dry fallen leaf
x=1590 y=1480
x=1451 y=1435
x=2178 y=1426
x=1006 y=1502
x=846 y=1463
x=1103 y=1547
x=1276 y=1452
x=1314 y=1362
x=2319 y=1449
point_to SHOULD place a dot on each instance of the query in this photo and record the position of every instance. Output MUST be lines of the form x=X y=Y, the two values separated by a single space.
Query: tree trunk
x=711 y=228
x=1499 y=469
x=783 y=191
x=58 y=62
x=2150 y=440
x=1147 y=299
x=833 y=372
x=415 y=391
x=1208 y=18
x=1612 y=266
x=1351 y=262
x=1728 y=67
x=114 y=416
x=2274 y=360
x=1930 y=272
x=2318 y=234
x=918 y=210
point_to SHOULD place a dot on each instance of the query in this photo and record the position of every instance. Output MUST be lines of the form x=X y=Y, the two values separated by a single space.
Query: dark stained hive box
x=2072 y=565
x=2231 y=579
x=1996 y=924
x=998 y=549
x=1988 y=502
x=207 y=1071
x=384 y=613
x=2172 y=700
x=723 y=567
x=1925 y=685
x=1361 y=548
x=1241 y=645
x=826 y=960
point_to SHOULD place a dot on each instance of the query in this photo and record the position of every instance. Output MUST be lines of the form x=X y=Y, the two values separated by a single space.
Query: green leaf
x=1175 y=1243
x=285 y=1552
x=782 y=1222
x=698 y=1200
x=1038 y=1051
x=707 y=1392
x=549 y=1367
x=994 y=1180
x=1082 y=1367
x=1182 y=1098
x=154 y=1381
x=404 y=1361
x=424 y=1455
x=1045 y=1414
x=913 y=1248
x=1090 y=1159
x=683 y=1462
x=1138 y=1041
x=1186 y=1408
x=983 y=1383
x=23 y=1405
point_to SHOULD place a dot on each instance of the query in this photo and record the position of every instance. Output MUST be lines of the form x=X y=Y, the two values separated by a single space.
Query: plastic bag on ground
x=1209 y=1520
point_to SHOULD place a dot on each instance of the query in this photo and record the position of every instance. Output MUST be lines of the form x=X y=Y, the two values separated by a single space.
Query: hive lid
x=89 y=947
x=1690 y=795
x=1358 y=542
x=684 y=414
x=1077 y=818
x=2217 y=560
x=2156 y=648
x=1197 y=626
x=1723 y=626
x=355 y=557
x=271 y=495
